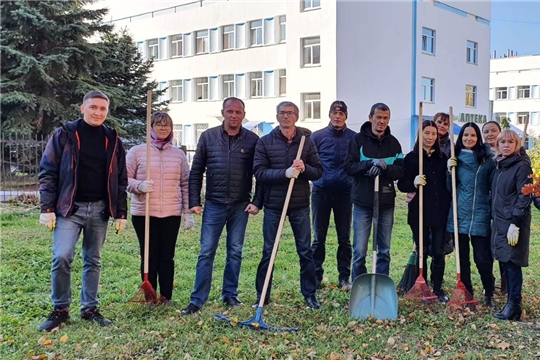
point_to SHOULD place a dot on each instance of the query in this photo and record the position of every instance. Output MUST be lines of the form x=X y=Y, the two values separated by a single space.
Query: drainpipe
x=413 y=70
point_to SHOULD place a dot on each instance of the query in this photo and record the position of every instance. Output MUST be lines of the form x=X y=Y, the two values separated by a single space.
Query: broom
x=461 y=295
x=410 y=274
x=420 y=290
x=146 y=294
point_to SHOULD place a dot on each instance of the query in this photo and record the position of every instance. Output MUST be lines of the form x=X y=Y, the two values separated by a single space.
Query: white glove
x=146 y=186
x=120 y=225
x=292 y=173
x=420 y=180
x=189 y=221
x=48 y=220
x=513 y=235
x=452 y=162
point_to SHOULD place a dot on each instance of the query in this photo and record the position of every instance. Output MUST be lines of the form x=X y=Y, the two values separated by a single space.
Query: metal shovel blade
x=373 y=295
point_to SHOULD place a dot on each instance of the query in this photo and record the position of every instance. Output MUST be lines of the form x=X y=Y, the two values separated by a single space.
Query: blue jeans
x=514 y=281
x=91 y=219
x=299 y=220
x=362 y=219
x=322 y=204
x=215 y=218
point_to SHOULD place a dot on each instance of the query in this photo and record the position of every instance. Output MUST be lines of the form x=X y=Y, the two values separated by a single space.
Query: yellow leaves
x=64 y=338
x=255 y=324
x=175 y=283
x=233 y=321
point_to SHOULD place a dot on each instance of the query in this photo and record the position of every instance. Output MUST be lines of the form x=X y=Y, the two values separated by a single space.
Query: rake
x=257 y=321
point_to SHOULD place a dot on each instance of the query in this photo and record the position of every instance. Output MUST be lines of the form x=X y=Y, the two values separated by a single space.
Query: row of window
x=517 y=92
x=428 y=46
x=427 y=92
x=519 y=117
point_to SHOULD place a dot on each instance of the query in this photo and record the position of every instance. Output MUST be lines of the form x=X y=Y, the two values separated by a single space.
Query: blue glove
x=374 y=171
x=380 y=163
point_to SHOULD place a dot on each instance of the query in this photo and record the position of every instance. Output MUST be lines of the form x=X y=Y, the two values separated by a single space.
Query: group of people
x=85 y=176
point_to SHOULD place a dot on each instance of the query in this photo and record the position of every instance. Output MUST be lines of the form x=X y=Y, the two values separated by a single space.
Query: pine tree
x=46 y=60
x=126 y=75
x=505 y=124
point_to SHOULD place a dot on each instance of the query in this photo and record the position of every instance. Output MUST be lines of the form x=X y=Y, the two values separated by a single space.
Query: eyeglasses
x=288 y=113
x=163 y=127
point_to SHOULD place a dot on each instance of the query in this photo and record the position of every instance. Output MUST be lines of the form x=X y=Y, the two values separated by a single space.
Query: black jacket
x=436 y=195
x=229 y=169
x=273 y=156
x=510 y=206
x=363 y=148
x=332 y=145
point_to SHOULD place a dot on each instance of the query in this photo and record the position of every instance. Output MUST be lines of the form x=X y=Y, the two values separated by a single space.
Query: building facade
x=313 y=52
x=515 y=90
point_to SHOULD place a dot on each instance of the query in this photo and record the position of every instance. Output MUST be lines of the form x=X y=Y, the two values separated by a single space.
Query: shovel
x=374 y=294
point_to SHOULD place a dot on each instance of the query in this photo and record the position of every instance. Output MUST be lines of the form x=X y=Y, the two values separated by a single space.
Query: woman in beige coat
x=168 y=190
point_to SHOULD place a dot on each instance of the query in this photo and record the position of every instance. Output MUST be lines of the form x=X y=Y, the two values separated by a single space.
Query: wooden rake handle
x=454 y=191
x=420 y=189
x=147 y=195
x=280 y=228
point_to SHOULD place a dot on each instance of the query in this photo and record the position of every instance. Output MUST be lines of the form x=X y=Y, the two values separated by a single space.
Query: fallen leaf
x=334 y=356
x=175 y=283
x=200 y=323
x=47 y=342
x=78 y=347
x=64 y=338
x=95 y=345
x=391 y=341
x=473 y=327
x=503 y=345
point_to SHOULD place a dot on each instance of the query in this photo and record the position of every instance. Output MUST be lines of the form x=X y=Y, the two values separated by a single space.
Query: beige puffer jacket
x=170 y=173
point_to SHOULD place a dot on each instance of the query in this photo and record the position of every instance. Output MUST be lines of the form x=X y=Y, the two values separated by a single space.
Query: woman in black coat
x=436 y=201
x=511 y=211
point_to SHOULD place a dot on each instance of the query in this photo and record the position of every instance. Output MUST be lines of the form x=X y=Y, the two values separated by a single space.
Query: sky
x=515 y=25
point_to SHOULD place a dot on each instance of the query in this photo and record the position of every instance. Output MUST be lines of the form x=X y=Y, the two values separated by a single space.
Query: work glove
x=120 y=225
x=146 y=186
x=380 y=163
x=292 y=173
x=374 y=171
x=452 y=162
x=513 y=235
x=420 y=180
x=188 y=221
x=48 y=220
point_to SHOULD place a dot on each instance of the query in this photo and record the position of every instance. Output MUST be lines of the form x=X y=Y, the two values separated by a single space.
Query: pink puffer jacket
x=170 y=173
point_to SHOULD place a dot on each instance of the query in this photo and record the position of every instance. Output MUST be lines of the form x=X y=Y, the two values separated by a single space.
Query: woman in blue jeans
x=511 y=218
x=475 y=168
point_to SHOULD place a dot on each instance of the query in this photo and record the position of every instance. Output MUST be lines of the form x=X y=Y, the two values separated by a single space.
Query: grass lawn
x=421 y=330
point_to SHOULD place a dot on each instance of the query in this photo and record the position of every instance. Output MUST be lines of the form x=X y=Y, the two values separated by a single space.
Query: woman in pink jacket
x=168 y=190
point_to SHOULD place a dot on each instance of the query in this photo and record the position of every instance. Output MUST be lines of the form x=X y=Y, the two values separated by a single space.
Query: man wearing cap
x=373 y=152
x=332 y=192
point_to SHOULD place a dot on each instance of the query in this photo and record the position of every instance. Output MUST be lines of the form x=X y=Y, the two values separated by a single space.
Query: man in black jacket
x=332 y=192
x=374 y=152
x=274 y=165
x=226 y=154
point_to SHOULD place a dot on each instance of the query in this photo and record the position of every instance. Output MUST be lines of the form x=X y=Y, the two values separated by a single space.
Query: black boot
x=488 y=301
x=512 y=311
x=500 y=312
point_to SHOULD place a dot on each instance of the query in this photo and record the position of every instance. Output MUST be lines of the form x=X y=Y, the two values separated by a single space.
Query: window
x=472 y=50
x=282 y=82
x=153 y=48
x=522 y=118
x=502 y=93
x=428 y=86
x=178 y=135
x=470 y=95
x=140 y=47
x=311 y=51
x=256 y=32
x=199 y=129
x=524 y=92
x=176 y=45
x=312 y=106
x=162 y=86
x=256 y=83
x=202 y=88
x=228 y=86
x=282 y=28
x=176 y=90
x=202 y=41
x=428 y=41
x=228 y=37
x=310 y=4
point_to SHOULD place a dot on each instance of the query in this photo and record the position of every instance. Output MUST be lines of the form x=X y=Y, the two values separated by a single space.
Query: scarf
x=158 y=142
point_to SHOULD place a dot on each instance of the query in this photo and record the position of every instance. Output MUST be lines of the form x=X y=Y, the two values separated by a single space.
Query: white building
x=514 y=83
x=313 y=52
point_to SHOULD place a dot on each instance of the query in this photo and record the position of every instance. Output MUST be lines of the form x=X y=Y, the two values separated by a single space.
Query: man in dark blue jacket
x=82 y=182
x=274 y=165
x=225 y=153
x=374 y=152
x=332 y=192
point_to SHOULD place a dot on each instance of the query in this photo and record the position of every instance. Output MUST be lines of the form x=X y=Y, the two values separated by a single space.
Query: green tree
x=505 y=124
x=126 y=75
x=46 y=60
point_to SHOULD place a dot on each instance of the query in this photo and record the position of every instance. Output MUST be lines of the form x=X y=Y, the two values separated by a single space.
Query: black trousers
x=163 y=235
x=322 y=204
x=437 y=236
x=483 y=258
